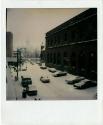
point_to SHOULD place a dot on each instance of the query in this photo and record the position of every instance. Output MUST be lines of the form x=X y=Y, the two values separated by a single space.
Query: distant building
x=42 y=54
x=16 y=58
x=9 y=44
x=72 y=46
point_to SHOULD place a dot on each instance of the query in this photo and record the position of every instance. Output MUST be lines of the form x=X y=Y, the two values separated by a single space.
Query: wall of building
x=72 y=46
x=9 y=44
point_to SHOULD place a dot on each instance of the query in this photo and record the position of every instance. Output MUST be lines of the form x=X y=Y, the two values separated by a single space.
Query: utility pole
x=17 y=63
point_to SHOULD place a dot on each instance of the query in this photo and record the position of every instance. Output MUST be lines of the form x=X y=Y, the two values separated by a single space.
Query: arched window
x=58 y=58
x=65 y=58
x=58 y=39
x=54 y=58
x=92 y=61
x=51 y=57
x=65 y=36
x=54 y=41
x=48 y=57
x=82 y=60
x=73 y=60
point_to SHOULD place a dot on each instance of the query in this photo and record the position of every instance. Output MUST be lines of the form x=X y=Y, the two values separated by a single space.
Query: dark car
x=30 y=91
x=26 y=81
x=85 y=84
x=24 y=95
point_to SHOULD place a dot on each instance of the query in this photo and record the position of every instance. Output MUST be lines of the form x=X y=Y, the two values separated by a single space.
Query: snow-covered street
x=57 y=89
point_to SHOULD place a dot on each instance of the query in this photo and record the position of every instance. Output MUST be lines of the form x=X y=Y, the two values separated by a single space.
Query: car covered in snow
x=24 y=68
x=85 y=84
x=52 y=70
x=60 y=73
x=39 y=63
x=32 y=63
x=44 y=79
x=73 y=81
x=43 y=67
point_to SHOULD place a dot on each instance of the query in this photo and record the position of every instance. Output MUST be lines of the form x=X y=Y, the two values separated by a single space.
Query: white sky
x=29 y=25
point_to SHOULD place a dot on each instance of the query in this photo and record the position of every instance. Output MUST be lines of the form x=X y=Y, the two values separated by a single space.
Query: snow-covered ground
x=57 y=89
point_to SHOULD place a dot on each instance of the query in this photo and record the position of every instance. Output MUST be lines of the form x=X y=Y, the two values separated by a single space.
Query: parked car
x=85 y=84
x=32 y=63
x=43 y=67
x=39 y=63
x=24 y=68
x=76 y=80
x=52 y=70
x=30 y=91
x=24 y=95
x=59 y=73
x=44 y=79
x=26 y=81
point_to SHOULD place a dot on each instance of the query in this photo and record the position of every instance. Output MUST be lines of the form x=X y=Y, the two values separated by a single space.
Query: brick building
x=72 y=46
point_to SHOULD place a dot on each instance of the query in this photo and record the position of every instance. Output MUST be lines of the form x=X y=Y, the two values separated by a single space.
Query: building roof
x=85 y=14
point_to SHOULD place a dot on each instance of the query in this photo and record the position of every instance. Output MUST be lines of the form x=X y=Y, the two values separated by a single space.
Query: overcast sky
x=29 y=25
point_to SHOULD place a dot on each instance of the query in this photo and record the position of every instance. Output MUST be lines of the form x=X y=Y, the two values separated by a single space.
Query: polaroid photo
x=51 y=54
x=45 y=63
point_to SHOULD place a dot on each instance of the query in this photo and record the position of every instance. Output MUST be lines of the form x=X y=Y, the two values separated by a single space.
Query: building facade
x=9 y=44
x=72 y=46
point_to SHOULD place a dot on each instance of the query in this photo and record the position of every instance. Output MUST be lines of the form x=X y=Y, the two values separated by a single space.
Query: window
x=72 y=36
x=48 y=43
x=48 y=57
x=65 y=56
x=55 y=40
x=54 y=58
x=92 y=61
x=65 y=36
x=73 y=60
x=82 y=60
x=51 y=57
x=58 y=58
x=58 y=39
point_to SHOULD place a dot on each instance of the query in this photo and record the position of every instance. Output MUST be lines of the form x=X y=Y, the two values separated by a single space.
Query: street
x=57 y=89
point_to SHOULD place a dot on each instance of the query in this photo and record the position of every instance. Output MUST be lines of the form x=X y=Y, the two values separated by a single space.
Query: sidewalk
x=14 y=88
x=10 y=87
